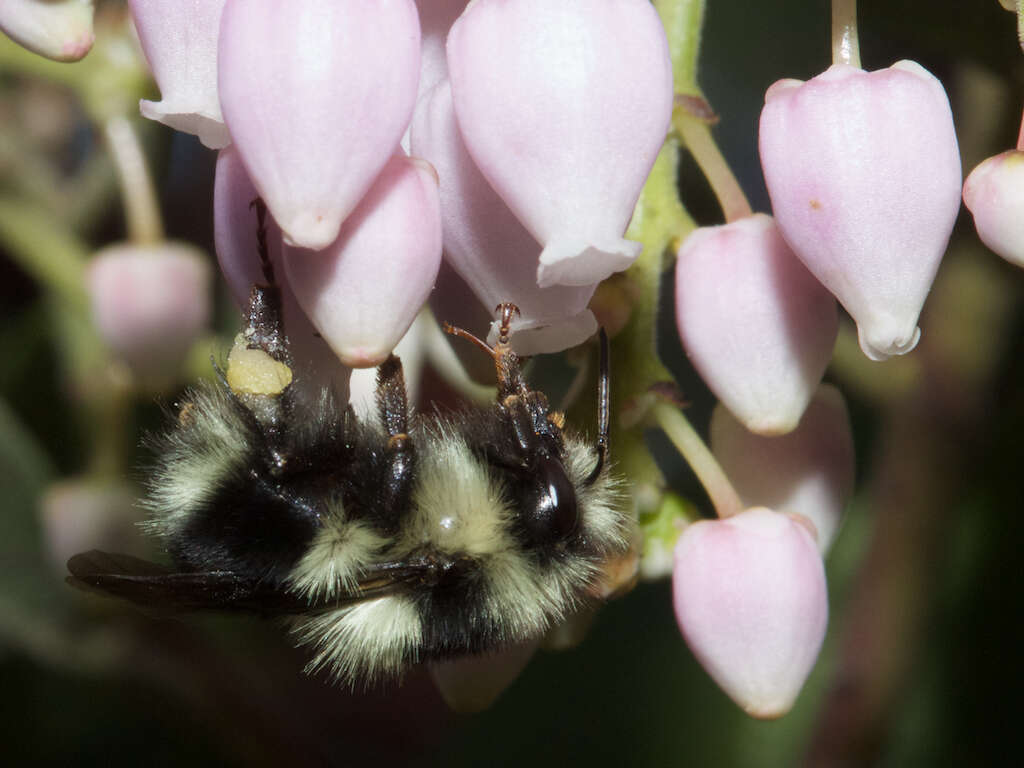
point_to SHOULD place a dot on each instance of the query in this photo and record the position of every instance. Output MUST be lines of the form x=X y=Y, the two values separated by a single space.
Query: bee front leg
x=399 y=452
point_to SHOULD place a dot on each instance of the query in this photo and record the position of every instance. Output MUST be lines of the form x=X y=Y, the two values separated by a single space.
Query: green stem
x=142 y=213
x=697 y=135
x=683 y=21
x=686 y=440
x=658 y=221
x=845 y=46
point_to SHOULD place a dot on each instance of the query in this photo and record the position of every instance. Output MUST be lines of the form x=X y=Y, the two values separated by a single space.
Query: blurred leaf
x=30 y=591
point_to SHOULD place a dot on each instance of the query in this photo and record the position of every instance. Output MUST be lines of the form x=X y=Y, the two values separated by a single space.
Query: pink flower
x=994 y=193
x=473 y=683
x=488 y=246
x=436 y=18
x=57 y=29
x=751 y=602
x=363 y=292
x=180 y=43
x=755 y=323
x=317 y=94
x=150 y=303
x=564 y=107
x=807 y=472
x=864 y=175
x=81 y=513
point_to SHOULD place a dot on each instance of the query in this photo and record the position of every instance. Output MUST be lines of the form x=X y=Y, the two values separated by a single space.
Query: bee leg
x=259 y=373
x=399 y=453
x=264 y=316
x=510 y=377
x=603 y=398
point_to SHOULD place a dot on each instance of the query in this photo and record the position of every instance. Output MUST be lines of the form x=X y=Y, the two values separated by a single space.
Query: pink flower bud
x=79 y=514
x=808 y=472
x=564 y=106
x=180 y=43
x=150 y=303
x=488 y=246
x=317 y=94
x=864 y=175
x=473 y=683
x=994 y=193
x=57 y=29
x=751 y=602
x=755 y=323
x=364 y=291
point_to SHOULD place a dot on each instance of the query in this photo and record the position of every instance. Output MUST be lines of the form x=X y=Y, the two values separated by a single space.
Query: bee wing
x=166 y=590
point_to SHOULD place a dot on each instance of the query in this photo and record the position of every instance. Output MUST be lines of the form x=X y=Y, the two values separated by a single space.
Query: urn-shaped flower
x=564 y=106
x=863 y=172
x=751 y=602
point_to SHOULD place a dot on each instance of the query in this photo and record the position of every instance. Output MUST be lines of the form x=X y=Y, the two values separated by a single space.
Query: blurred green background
x=921 y=664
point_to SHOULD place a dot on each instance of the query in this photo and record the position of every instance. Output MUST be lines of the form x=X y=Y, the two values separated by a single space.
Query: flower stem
x=696 y=453
x=845 y=46
x=697 y=135
x=142 y=213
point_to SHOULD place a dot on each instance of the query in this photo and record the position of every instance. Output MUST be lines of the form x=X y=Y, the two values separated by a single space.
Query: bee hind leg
x=399 y=452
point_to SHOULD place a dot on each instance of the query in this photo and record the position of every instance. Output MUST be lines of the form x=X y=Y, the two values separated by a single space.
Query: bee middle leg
x=399 y=452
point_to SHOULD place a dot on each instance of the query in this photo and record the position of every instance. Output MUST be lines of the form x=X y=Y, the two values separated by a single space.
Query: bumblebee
x=382 y=542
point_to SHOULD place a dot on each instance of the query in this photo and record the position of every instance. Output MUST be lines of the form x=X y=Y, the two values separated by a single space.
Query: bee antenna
x=603 y=397
x=463 y=334
x=261 y=239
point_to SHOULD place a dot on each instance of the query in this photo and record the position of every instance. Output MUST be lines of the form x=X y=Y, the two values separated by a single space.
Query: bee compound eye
x=550 y=513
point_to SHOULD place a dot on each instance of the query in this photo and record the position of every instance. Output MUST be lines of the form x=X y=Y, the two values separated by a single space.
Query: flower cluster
x=513 y=139
x=536 y=157
x=863 y=171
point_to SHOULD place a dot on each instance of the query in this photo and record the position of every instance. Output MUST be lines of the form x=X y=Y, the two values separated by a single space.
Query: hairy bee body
x=383 y=542
x=461 y=573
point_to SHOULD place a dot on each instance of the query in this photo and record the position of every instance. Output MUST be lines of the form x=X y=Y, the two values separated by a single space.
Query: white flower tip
x=363 y=357
x=541 y=337
x=566 y=262
x=881 y=346
x=769 y=424
x=311 y=230
x=76 y=48
x=210 y=129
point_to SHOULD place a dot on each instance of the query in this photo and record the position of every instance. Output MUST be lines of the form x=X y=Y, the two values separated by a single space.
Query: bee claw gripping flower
x=863 y=172
x=564 y=107
x=316 y=95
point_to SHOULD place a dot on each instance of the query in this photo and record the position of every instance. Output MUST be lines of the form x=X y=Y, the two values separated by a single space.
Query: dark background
x=230 y=692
